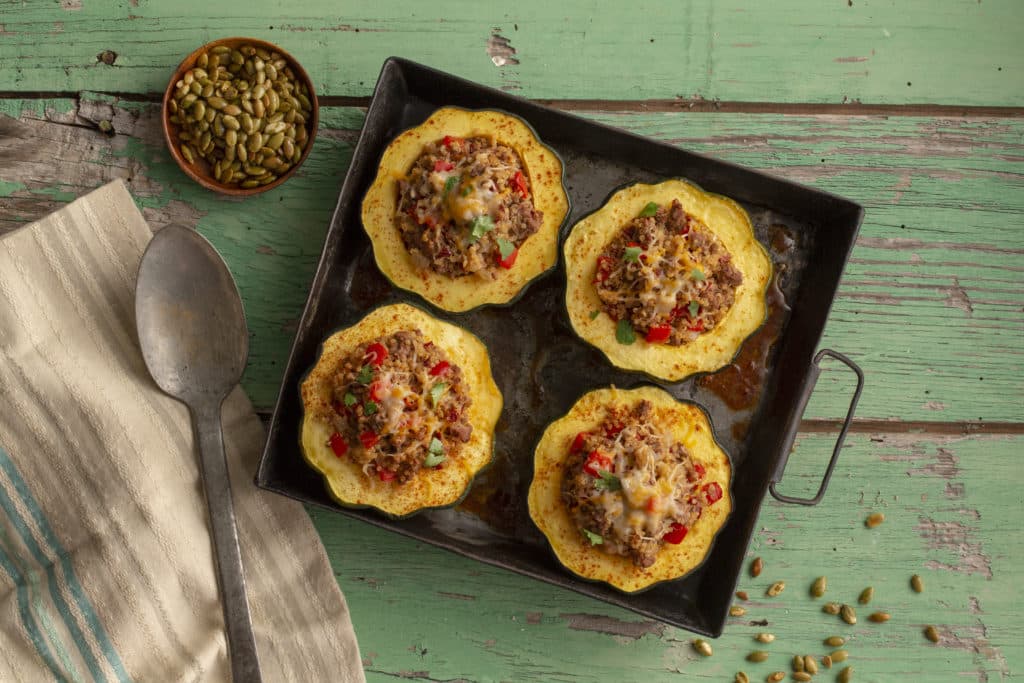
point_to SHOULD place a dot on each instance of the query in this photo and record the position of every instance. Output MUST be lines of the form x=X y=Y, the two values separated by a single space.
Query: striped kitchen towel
x=106 y=565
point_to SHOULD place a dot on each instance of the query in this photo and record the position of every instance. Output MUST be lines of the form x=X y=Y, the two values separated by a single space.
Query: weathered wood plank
x=952 y=516
x=932 y=304
x=783 y=51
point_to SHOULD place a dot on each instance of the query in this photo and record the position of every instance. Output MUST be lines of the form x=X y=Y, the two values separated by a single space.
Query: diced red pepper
x=658 y=334
x=376 y=353
x=442 y=165
x=604 y=267
x=385 y=475
x=597 y=461
x=652 y=503
x=448 y=140
x=429 y=221
x=376 y=391
x=338 y=445
x=676 y=534
x=439 y=368
x=507 y=263
x=613 y=431
x=713 y=492
x=699 y=469
x=369 y=439
x=577 y=443
x=519 y=183
x=696 y=327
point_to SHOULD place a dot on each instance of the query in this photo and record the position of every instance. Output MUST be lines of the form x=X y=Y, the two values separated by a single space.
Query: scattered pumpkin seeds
x=775 y=677
x=231 y=105
x=819 y=586
x=756 y=566
x=765 y=637
x=736 y=611
x=846 y=675
x=810 y=666
x=866 y=595
x=835 y=641
x=798 y=663
x=839 y=656
x=757 y=656
x=826 y=661
x=741 y=677
x=879 y=617
x=931 y=634
x=848 y=614
x=775 y=589
x=703 y=647
x=801 y=676
x=916 y=583
x=874 y=519
x=831 y=608
x=742 y=595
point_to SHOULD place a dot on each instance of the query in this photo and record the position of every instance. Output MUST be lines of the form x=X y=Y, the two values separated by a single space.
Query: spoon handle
x=245 y=666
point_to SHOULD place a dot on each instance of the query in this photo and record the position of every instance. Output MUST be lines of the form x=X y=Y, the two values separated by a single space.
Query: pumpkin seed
x=810 y=666
x=801 y=676
x=775 y=589
x=196 y=87
x=703 y=647
x=757 y=656
x=819 y=586
x=931 y=634
x=230 y=138
x=916 y=583
x=735 y=610
x=755 y=566
x=741 y=677
x=874 y=519
x=826 y=661
x=275 y=141
x=250 y=183
x=846 y=675
x=835 y=641
x=198 y=110
x=839 y=656
x=742 y=595
x=216 y=102
x=798 y=663
x=203 y=60
x=220 y=50
x=231 y=122
x=776 y=677
x=866 y=595
x=765 y=637
x=831 y=608
x=186 y=152
x=232 y=110
x=848 y=614
x=879 y=617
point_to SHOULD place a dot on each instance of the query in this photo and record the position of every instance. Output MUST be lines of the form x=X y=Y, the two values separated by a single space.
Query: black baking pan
x=541 y=367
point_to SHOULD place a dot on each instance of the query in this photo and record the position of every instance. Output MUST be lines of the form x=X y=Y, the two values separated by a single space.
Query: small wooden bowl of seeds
x=240 y=115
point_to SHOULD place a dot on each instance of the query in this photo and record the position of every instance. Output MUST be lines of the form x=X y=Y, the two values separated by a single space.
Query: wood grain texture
x=931 y=305
x=952 y=516
x=784 y=51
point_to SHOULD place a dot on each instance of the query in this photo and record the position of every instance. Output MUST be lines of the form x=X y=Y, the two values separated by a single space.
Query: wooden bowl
x=200 y=170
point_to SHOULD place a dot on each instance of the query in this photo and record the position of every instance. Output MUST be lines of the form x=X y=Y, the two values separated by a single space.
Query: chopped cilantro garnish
x=693 y=309
x=365 y=375
x=480 y=226
x=369 y=408
x=350 y=399
x=632 y=254
x=624 y=332
x=437 y=391
x=594 y=314
x=650 y=209
x=608 y=481
x=436 y=453
x=505 y=247
x=466 y=191
x=595 y=539
x=436 y=446
x=698 y=275
x=450 y=185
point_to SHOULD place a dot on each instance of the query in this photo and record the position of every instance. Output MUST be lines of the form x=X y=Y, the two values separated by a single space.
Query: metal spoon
x=195 y=342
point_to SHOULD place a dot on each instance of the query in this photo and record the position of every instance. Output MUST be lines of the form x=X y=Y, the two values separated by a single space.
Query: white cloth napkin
x=106 y=565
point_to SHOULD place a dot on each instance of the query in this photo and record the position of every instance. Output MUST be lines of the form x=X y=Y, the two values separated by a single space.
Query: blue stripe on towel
x=50 y=538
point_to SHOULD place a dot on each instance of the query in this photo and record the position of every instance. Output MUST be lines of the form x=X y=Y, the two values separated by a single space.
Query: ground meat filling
x=668 y=275
x=630 y=489
x=466 y=207
x=399 y=405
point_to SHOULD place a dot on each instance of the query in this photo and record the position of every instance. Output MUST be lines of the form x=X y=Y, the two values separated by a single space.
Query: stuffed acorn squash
x=466 y=208
x=666 y=279
x=630 y=487
x=399 y=412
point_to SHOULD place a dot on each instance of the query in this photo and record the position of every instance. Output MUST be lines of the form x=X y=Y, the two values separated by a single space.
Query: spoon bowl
x=195 y=343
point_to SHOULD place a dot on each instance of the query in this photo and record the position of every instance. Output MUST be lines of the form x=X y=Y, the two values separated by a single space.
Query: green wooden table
x=913 y=109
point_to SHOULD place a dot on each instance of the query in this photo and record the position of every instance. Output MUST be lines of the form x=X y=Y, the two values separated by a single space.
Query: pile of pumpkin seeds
x=804 y=666
x=245 y=112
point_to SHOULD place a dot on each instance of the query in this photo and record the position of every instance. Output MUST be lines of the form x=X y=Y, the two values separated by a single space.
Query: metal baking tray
x=541 y=367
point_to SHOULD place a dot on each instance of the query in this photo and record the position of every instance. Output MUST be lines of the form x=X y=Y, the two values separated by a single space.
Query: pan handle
x=795 y=426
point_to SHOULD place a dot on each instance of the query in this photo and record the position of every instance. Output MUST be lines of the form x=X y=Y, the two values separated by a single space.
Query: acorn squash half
x=688 y=424
x=537 y=255
x=712 y=349
x=430 y=488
